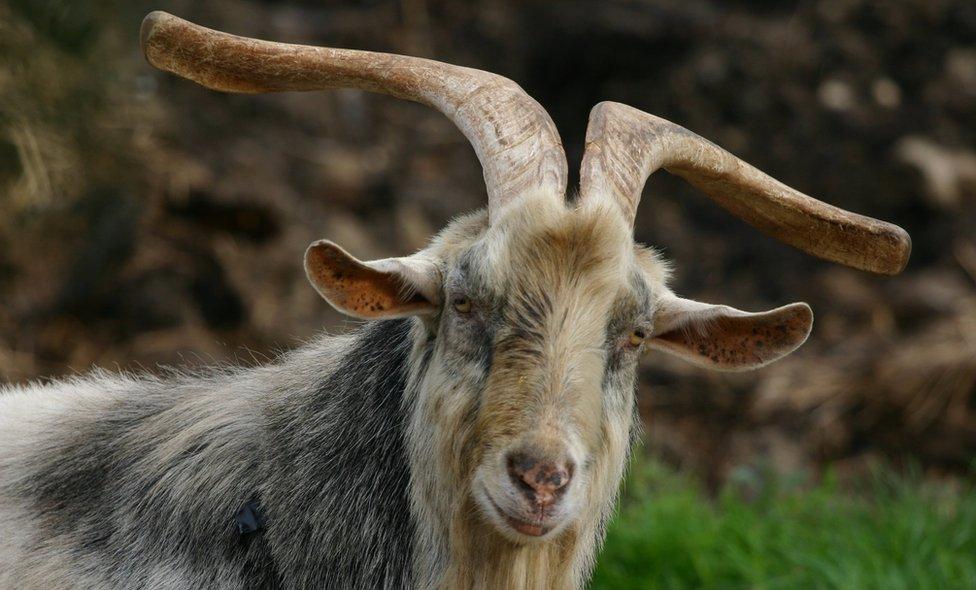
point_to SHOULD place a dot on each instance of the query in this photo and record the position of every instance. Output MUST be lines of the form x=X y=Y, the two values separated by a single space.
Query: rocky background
x=145 y=220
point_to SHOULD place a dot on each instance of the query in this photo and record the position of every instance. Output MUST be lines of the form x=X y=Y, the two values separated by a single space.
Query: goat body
x=118 y=482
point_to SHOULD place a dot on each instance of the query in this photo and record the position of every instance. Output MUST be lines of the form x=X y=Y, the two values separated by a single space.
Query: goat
x=472 y=434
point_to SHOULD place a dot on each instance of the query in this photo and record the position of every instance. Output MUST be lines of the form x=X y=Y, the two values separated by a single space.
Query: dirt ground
x=144 y=220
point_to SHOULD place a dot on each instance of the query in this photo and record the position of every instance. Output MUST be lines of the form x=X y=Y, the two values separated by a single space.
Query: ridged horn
x=513 y=136
x=625 y=145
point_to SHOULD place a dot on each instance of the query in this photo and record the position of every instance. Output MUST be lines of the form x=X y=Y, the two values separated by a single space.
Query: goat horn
x=513 y=136
x=624 y=146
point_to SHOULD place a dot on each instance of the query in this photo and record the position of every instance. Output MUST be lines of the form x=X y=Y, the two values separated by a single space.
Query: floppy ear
x=724 y=338
x=379 y=289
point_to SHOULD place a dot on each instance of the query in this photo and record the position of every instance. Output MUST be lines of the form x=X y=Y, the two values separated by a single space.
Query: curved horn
x=624 y=146
x=513 y=136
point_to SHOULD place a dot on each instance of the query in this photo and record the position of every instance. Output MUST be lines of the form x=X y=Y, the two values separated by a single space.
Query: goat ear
x=724 y=338
x=379 y=289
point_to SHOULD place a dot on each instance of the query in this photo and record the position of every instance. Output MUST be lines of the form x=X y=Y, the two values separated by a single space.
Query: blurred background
x=146 y=221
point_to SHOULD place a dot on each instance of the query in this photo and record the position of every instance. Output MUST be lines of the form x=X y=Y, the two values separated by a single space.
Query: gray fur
x=137 y=486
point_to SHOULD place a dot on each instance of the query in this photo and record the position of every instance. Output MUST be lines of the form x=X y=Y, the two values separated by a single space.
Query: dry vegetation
x=144 y=220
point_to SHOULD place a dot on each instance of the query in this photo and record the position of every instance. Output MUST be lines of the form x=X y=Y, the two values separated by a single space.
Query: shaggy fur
x=112 y=482
x=537 y=358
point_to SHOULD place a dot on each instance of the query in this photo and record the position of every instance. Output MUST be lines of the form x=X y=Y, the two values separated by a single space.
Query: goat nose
x=541 y=480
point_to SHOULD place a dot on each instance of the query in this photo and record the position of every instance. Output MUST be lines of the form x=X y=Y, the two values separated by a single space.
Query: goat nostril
x=540 y=481
x=559 y=478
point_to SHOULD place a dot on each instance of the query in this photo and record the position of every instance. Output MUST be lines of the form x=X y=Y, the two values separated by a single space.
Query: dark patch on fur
x=93 y=490
x=471 y=337
x=70 y=486
x=627 y=314
x=531 y=311
x=338 y=475
x=523 y=334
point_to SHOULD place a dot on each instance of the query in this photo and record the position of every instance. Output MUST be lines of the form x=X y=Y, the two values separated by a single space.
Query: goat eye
x=461 y=304
x=637 y=337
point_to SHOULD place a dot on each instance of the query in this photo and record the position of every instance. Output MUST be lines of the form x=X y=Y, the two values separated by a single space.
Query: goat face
x=536 y=351
x=534 y=325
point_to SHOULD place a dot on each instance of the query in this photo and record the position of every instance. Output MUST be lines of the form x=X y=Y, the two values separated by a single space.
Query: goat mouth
x=530 y=529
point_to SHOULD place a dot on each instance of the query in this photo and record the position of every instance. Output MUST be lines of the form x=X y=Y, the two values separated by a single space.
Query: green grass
x=894 y=532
